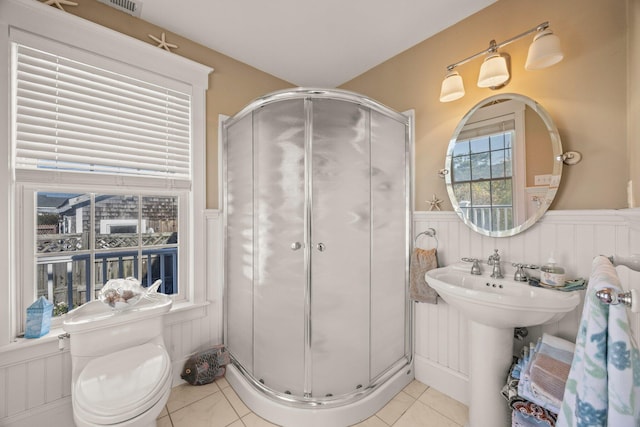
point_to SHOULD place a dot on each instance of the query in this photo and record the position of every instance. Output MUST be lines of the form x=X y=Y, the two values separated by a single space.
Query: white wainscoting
x=575 y=237
x=35 y=376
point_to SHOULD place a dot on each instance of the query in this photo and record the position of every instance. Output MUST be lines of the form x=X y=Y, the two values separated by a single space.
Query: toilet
x=121 y=371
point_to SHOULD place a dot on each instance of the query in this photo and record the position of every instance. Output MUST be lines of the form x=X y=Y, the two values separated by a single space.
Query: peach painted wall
x=586 y=93
x=232 y=85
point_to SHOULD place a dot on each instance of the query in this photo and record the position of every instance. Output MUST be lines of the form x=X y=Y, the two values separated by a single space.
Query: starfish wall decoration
x=434 y=203
x=59 y=3
x=162 y=42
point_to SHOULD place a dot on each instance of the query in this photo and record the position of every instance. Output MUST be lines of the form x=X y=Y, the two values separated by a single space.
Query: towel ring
x=428 y=232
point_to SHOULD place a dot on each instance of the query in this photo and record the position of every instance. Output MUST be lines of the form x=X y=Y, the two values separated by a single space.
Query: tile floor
x=217 y=405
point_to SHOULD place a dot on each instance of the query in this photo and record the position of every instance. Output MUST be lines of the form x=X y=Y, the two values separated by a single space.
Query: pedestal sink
x=494 y=307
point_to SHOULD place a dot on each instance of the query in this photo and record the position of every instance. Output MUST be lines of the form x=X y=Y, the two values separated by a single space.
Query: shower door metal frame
x=307 y=401
x=308 y=208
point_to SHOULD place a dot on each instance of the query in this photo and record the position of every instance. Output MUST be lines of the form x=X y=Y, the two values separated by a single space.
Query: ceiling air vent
x=127 y=6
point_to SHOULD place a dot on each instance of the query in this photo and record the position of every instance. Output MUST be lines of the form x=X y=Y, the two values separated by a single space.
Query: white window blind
x=479 y=130
x=76 y=117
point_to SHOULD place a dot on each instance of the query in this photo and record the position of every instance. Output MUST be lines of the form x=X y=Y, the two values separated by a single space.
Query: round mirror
x=504 y=165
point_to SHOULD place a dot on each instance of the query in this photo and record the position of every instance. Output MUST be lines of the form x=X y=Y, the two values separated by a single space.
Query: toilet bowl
x=121 y=371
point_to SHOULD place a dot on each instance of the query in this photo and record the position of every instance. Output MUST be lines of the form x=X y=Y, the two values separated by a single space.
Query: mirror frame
x=556 y=146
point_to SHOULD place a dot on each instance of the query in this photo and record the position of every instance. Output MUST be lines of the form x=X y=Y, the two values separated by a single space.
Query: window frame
x=77 y=33
x=27 y=239
x=504 y=111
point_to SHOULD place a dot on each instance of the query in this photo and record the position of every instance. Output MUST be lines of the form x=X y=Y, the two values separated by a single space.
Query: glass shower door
x=340 y=256
x=279 y=252
x=317 y=241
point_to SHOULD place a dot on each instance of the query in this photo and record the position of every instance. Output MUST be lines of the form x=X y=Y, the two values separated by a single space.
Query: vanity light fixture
x=494 y=72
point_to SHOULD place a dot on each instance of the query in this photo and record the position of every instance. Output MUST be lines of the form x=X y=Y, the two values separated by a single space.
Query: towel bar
x=632 y=262
x=611 y=297
x=629 y=299
x=428 y=232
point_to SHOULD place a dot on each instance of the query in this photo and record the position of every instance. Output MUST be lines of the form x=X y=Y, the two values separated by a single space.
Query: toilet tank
x=97 y=329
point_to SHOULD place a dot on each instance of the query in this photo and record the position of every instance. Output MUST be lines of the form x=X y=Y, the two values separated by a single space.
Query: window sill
x=21 y=349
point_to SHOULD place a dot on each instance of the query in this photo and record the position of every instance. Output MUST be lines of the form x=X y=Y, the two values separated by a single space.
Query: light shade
x=544 y=51
x=493 y=72
x=452 y=87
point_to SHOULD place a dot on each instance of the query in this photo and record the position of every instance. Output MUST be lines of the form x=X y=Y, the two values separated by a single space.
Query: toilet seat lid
x=122 y=385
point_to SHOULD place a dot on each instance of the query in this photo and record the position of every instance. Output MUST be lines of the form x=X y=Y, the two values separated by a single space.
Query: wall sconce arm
x=493 y=46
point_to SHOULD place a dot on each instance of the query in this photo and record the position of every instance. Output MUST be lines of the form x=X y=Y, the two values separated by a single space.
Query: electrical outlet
x=542 y=180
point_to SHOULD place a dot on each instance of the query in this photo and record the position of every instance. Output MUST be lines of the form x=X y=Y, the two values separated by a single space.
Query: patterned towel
x=422 y=260
x=603 y=388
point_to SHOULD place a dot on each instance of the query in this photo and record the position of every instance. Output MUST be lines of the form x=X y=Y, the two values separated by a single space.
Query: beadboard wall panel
x=35 y=379
x=574 y=237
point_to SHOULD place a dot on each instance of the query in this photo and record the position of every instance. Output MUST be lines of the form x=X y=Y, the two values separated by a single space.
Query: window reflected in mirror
x=502 y=164
x=482 y=182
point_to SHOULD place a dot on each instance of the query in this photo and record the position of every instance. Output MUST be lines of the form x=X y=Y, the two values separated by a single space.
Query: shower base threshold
x=286 y=415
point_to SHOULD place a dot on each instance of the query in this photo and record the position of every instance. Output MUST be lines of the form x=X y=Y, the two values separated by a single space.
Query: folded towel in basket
x=550 y=368
x=549 y=377
x=546 y=371
x=422 y=260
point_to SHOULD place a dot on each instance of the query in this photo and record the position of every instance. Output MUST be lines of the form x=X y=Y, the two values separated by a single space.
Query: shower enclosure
x=317 y=196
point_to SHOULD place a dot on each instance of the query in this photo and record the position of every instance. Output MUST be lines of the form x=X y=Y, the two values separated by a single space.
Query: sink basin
x=501 y=303
x=494 y=307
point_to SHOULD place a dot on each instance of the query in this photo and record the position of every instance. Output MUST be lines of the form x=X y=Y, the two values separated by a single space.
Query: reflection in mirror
x=503 y=165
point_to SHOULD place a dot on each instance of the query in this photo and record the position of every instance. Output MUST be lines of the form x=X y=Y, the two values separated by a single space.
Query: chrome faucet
x=520 y=275
x=475 y=268
x=494 y=260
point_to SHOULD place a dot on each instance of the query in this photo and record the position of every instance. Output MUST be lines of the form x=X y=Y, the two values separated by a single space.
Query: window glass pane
x=501 y=192
x=480 y=145
x=508 y=162
x=116 y=221
x=480 y=167
x=63 y=281
x=62 y=222
x=497 y=164
x=497 y=142
x=480 y=214
x=114 y=265
x=502 y=218
x=507 y=139
x=160 y=264
x=463 y=194
x=159 y=220
x=160 y=224
x=63 y=262
x=481 y=193
x=482 y=181
x=460 y=148
x=461 y=168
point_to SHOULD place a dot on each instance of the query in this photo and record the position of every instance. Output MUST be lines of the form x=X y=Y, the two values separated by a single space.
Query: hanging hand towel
x=422 y=261
x=603 y=388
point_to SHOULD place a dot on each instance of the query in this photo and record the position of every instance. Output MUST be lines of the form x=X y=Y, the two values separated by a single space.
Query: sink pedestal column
x=490 y=356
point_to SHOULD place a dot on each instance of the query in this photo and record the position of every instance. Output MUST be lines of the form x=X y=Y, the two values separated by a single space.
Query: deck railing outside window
x=64 y=278
x=494 y=218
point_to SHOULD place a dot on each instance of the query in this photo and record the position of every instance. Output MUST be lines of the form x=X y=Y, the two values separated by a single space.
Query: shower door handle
x=295 y=246
x=321 y=247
